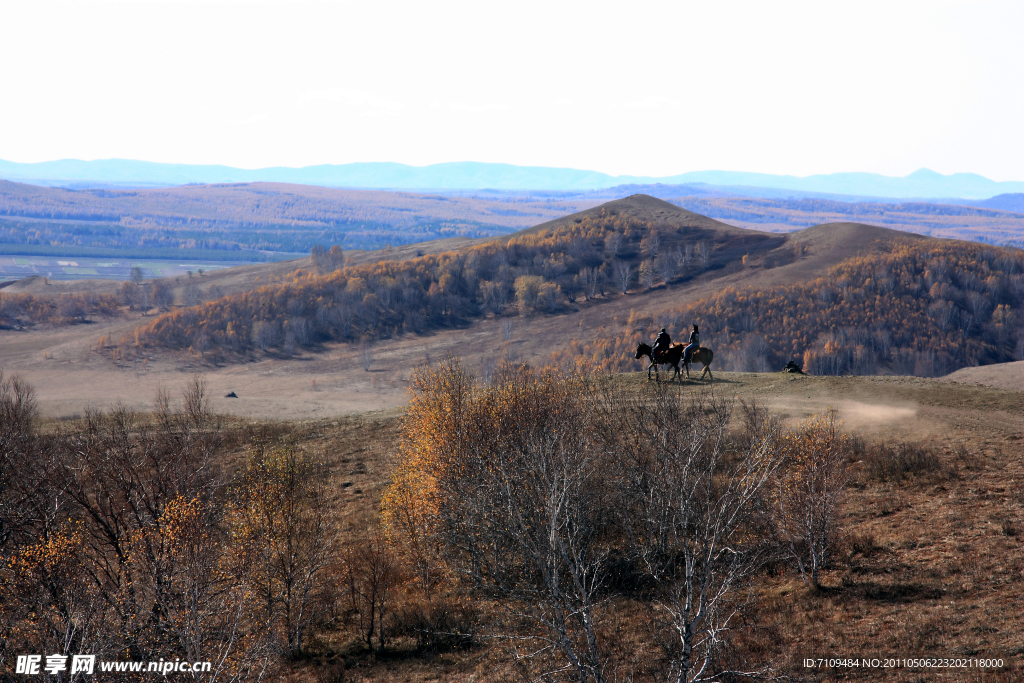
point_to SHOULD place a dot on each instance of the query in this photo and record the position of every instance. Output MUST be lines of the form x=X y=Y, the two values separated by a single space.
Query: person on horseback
x=693 y=345
x=660 y=344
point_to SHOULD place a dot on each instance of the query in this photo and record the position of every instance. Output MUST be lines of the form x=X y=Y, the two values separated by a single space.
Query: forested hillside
x=548 y=269
x=926 y=308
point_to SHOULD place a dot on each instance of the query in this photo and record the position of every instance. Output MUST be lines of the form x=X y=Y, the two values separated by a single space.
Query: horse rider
x=693 y=345
x=661 y=344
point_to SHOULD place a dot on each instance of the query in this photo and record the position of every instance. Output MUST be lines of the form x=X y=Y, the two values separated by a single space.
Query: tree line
x=21 y=310
x=18 y=311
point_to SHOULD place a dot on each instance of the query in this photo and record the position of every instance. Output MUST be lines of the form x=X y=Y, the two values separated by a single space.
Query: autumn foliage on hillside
x=22 y=310
x=536 y=272
x=918 y=310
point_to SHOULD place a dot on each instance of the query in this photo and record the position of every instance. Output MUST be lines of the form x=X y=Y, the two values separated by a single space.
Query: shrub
x=902 y=461
x=443 y=626
x=810 y=489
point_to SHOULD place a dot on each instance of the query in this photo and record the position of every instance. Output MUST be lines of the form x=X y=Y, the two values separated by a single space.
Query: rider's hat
x=694 y=327
x=663 y=329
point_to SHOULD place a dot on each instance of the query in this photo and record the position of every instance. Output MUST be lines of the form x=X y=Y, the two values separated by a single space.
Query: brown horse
x=670 y=356
x=704 y=357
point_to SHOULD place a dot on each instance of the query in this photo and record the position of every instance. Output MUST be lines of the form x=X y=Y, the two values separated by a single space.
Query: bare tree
x=623 y=274
x=266 y=334
x=665 y=265
x=691 y=502
x=301 y=327
x=326 y=261
x=651 y=244
x=136 y=275
x=160 y=294
x=193 y=295
x=648 y=274
x=280 y=513
x=371 y=575
x=683 y=255
x=705 y=254
x=613 y=244
x=591 y=281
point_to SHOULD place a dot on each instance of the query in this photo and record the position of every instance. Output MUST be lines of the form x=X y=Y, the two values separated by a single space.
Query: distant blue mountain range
x=469 y=175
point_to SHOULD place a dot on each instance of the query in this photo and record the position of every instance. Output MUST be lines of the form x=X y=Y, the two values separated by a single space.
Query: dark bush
x=903 y=461
x=441 y=627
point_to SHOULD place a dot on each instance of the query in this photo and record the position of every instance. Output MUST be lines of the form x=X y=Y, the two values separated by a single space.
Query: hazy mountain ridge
x=473 y=175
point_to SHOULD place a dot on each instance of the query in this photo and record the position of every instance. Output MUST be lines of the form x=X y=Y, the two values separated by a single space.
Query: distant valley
x=258 y=222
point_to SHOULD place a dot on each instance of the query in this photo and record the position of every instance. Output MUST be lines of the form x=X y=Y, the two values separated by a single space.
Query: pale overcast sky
x=646 y=88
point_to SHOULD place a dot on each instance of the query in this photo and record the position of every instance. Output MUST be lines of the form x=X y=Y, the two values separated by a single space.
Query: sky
x=646 y=88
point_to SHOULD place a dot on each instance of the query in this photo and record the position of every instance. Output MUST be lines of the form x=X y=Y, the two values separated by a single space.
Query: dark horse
x=673 y=355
